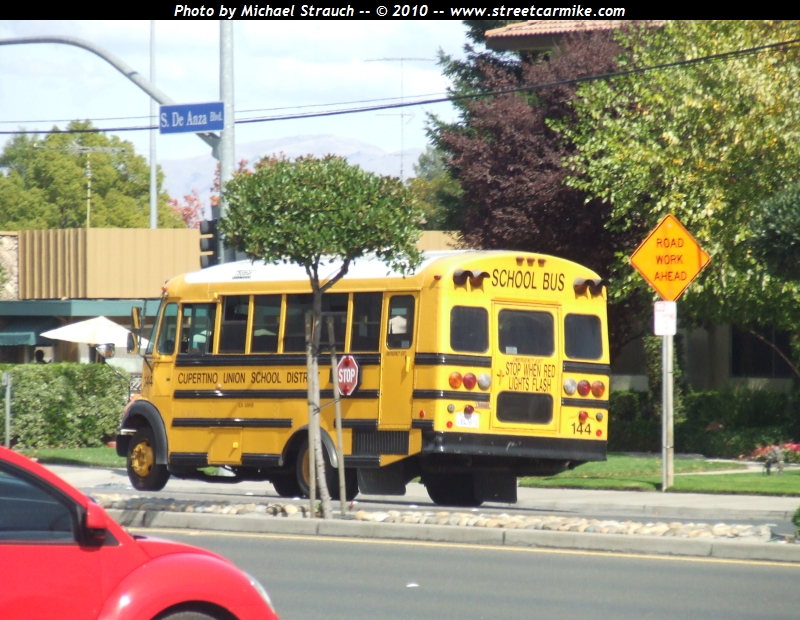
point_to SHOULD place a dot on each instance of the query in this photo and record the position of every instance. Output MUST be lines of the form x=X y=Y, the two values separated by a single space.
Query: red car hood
x=155 y=547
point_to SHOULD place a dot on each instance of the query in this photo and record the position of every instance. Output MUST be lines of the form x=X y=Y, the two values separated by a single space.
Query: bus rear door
x=526 y=367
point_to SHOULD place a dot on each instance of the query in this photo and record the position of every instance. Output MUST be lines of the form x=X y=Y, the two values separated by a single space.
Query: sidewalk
x=577 y=501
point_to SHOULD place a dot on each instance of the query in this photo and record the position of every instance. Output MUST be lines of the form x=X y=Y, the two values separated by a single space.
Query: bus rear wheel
x=143 y=471
x=286 y=484
x=452 y=490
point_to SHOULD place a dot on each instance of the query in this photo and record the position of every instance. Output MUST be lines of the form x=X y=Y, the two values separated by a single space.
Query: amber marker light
x=455 y=380
x=598 y=388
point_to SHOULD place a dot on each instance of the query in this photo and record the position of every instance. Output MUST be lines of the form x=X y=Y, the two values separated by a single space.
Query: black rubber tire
x=187 y=615
x=301 y=466
x=155 y=476
x=286 y=484
x=455 y=490
x=350 y=484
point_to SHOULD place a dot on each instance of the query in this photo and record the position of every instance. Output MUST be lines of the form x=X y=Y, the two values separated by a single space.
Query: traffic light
x=209 y=243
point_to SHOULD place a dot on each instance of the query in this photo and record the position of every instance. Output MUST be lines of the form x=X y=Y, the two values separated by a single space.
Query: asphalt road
x=355 y=580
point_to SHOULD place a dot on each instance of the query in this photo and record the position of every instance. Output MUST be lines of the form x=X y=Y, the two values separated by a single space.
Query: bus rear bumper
x=513 y=446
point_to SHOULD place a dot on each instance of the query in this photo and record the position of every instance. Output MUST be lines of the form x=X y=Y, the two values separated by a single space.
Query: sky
x=276 y=65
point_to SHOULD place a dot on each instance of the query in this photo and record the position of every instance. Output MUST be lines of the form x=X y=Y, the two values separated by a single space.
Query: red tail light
x=455 y=380
x=470 y=380
x=583 y=387
x=469 y=409
x=583 y=416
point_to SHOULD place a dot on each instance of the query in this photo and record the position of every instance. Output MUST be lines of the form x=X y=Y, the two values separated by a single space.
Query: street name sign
x=192 y=117
x=669 y=258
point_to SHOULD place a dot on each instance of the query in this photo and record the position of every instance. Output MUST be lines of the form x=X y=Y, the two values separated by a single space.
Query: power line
x=527 y=87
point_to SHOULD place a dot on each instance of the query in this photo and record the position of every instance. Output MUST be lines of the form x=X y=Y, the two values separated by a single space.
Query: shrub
x=64 y=405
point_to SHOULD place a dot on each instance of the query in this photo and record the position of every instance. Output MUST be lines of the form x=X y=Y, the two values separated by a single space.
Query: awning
x=26 y=330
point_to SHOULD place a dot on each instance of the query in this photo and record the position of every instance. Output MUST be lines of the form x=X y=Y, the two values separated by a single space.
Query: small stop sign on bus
x=347 y=371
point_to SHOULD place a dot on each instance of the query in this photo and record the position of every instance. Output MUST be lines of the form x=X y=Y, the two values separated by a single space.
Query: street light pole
x=153 y=132
x=227 y=139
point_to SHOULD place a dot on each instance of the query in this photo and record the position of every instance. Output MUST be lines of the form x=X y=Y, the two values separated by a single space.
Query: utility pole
x=227 y=139
x=77 y=149
x=402 y=114
x=153 y=132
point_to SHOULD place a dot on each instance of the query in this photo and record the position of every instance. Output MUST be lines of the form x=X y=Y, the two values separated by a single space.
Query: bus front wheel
x=143 y=471
x=452 y=490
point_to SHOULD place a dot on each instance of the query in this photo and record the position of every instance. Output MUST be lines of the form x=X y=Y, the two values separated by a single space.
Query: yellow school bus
x=480 y=367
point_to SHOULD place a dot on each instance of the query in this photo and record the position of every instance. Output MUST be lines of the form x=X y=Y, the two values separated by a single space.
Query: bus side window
x=266 y=320
x=169 y=328
x=197 y=328
x=294 y=333
x=583 y=336
x=366 y=329
x=401 y=322
x=233 y=331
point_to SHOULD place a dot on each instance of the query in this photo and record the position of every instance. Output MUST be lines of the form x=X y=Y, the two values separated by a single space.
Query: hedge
x=63 y=405
x=717 y=424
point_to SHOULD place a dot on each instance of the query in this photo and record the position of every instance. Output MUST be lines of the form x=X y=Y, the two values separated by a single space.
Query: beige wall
x=103 y=263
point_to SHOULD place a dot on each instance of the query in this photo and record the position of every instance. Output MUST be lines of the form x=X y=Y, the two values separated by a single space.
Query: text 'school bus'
x=478 y=368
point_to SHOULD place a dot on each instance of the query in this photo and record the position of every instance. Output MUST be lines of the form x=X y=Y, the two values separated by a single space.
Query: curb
x=615 y=543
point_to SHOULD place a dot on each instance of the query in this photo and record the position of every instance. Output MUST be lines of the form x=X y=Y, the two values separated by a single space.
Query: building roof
x=545 y=34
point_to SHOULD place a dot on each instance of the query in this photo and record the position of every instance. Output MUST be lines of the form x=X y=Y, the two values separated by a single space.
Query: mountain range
x=184 y=175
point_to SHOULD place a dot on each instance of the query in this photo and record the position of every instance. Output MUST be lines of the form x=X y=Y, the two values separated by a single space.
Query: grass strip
x=87 y=457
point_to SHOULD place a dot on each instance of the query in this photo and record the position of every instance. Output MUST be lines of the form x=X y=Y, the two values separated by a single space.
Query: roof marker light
x=520 y=260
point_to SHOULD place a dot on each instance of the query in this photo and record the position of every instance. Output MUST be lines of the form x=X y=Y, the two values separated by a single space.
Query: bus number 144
x=577 y=429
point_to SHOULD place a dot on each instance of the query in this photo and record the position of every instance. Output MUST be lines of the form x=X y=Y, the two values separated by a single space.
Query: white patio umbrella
x=92 y=331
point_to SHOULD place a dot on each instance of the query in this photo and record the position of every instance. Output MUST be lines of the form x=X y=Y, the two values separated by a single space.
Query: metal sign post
x=665 y=324
x=668 y=259
x=7 y=385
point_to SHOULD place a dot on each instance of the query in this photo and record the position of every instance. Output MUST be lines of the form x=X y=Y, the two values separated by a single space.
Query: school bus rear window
x=469 y=329
x=526 y=333
x=583 y=337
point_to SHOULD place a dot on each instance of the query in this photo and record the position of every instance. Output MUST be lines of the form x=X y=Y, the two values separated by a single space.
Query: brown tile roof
x=544 y=34
x=555 y=26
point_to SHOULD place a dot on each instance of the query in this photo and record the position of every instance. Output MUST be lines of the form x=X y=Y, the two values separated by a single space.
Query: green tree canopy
x=311 y=211
x=707 y=142
x=437 y=192
x=43 y=183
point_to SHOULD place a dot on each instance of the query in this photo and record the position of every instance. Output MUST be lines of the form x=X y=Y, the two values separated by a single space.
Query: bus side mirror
x=133 y=343
x=106 y=351
x=136 y=330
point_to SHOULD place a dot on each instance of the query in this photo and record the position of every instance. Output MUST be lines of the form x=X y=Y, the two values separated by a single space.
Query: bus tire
x=452 y=490
x=301 y=469
x=350 y=484
x=286 y=484
x=143 y=471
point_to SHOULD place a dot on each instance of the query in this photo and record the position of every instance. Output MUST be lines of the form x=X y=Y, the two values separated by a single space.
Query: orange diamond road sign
x=669 y=259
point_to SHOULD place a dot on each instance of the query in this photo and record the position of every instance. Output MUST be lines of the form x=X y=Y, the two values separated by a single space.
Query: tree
x=707 y=142
x=190 y=210
x=509 y=162
x=312 y=212
x=437 y=193
x=43 y=183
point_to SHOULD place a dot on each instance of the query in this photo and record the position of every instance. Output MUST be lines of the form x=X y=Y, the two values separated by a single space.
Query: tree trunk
x=313 y=375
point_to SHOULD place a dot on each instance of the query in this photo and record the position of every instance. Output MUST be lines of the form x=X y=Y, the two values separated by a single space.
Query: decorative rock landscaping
x=755 y=533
